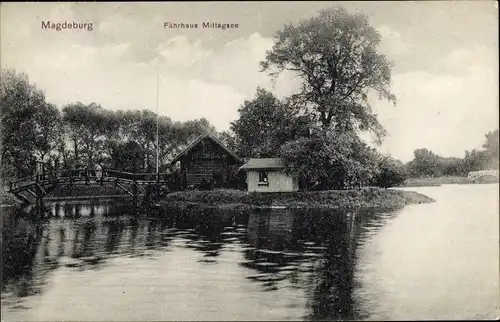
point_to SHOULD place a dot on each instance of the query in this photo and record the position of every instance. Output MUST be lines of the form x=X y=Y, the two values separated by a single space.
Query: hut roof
x=263 y=163
x=198 y=140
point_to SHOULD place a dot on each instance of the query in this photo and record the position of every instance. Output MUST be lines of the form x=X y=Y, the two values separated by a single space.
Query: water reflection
x=312 y=251
x=20 y=247
x=307 y=262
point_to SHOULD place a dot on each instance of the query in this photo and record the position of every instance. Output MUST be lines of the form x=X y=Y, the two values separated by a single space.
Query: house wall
x=203 y=170
x=205 y=159
x=278 y=181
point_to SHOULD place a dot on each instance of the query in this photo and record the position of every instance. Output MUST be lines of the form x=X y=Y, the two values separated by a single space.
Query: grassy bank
x=341 y=199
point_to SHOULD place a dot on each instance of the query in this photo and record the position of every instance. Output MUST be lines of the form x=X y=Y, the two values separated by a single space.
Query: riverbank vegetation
x=437 y=181
x=430 y=169
x=368 y=197
x=428 y=164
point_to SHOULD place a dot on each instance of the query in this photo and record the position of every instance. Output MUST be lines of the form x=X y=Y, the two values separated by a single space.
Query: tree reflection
x=21 y=238
x=32 y=248
x=312 y=248
x=206 y=230
x=133 y=237
x=84 y=241
x=333 y=279
x=277 y=253
x=114 y=233
x=308 y=249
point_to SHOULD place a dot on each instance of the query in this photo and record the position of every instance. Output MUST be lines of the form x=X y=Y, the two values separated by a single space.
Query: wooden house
x=267 y=175
x=207 y=161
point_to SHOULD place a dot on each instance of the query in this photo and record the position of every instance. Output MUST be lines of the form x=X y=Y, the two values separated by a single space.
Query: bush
x=330 y=161
x=391 y=173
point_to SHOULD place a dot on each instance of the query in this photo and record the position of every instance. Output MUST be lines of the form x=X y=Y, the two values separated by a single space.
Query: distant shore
x=437 y=181
x=332 y=199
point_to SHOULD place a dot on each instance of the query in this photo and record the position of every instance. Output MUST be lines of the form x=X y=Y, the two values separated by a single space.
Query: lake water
x=100 y=262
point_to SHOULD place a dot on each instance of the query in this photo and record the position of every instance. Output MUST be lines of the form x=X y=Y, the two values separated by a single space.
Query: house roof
x=198 y=140
x=263 y=163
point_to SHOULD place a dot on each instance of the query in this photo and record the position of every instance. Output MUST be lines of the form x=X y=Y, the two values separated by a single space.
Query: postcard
x=305 y=160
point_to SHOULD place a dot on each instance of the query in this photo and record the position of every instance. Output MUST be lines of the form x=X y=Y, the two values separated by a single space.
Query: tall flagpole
x=157 y=103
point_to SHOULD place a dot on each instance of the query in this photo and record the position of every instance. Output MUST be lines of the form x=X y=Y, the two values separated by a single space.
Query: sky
x=445 y=57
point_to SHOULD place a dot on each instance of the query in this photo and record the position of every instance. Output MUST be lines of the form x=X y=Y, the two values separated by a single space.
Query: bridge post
x=87 y=179
x=39 y=199
x=134 y=192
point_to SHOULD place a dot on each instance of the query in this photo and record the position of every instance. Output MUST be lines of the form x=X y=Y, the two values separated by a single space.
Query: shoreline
x=333 y=199
x=369 y=197
x=63 y=193
x=12 y=202
x=439 y=181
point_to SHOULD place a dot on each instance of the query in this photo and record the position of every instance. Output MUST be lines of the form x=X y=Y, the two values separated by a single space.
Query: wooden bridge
x=34 y=188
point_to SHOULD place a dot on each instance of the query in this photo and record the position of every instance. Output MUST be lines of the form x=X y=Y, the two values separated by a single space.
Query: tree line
x=428 y=164
x=80 y=135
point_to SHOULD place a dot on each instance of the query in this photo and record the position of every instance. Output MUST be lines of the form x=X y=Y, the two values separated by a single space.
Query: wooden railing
x=63 y=176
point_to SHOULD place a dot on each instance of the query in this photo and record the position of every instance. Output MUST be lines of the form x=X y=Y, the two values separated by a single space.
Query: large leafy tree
x=147 y=135
x=265 y=124
x=391 y=172
x=229 y=139
x=424 y=163
x=127 y=156
x=187 y=131
x=172 y=136
x=327 y=161
x=335 y=55
x=48 y=129
x=475 y=160
x=29 y=125
x=139 y=126
x=88 y=127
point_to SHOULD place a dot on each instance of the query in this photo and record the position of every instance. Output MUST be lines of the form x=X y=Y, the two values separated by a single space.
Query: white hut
x=267 y=175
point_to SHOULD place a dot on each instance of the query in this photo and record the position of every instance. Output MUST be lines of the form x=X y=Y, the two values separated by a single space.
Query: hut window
x=263 y=177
